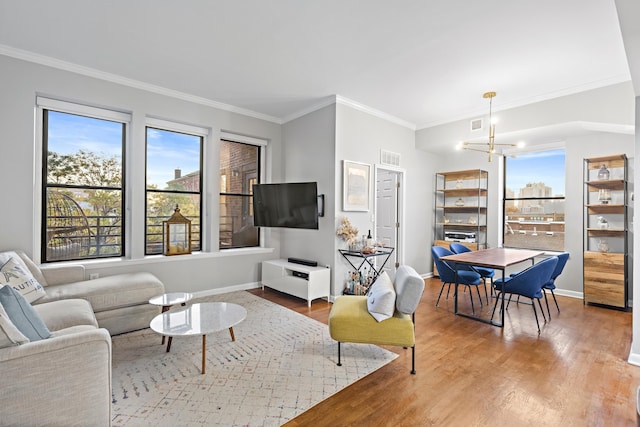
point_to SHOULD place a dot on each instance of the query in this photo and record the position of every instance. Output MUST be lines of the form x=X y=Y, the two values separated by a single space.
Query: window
x=239 y=170
x=534 y=202
x=82 y=181
x=174 y=178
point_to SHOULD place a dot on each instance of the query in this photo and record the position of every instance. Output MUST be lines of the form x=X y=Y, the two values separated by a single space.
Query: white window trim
x=44 y=103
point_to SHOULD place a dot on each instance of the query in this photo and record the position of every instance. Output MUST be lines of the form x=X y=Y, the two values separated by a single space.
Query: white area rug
x=281 y=364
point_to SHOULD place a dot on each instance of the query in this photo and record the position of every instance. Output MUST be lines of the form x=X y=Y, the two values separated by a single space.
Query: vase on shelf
x=604 y=196
x=459 y=183
x=459 y=202
x=603 y=173
x=603 y=246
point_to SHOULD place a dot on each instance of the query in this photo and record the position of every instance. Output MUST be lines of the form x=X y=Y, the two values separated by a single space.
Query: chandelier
x=489 y=147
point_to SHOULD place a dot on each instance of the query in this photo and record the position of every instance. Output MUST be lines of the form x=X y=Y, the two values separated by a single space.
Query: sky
x=166 y=150
x=544 y=166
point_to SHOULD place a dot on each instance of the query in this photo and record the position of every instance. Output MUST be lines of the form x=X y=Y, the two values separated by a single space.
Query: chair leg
x=535 y=312
x=555 y=300
x=546 y=301
x=473 y=310
x=339 y=362
x=440 y=294
x=495 y=305
x=479 y=297
x=486 y=295
x=413 y=359
x=541 y=310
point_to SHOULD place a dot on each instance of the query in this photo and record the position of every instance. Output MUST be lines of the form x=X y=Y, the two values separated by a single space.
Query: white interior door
x=387 y=216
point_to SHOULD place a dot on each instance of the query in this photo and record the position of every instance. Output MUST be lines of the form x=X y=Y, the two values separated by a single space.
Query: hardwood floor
x=469 y=373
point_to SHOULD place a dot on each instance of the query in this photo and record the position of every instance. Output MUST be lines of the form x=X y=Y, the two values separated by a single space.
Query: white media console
x=298 y=280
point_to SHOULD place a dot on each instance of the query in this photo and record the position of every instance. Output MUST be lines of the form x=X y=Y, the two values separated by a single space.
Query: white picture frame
x=356 y=178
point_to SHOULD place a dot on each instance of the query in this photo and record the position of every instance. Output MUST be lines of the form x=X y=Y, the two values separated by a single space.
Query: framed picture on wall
x=355 y=182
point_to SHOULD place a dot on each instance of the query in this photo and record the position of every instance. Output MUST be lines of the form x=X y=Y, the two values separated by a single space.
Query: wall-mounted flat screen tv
x=288 y=205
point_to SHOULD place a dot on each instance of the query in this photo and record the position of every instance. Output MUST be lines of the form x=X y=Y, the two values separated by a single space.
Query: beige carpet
x=280 y=365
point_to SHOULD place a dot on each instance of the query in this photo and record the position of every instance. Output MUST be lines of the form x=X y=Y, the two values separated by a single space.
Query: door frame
x=399 y=250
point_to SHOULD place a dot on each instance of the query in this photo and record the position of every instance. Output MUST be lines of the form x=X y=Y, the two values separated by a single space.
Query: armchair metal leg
x=546 y=301
x=535 y=312
x=413 y=359
x=339 y=363
x=555 y=300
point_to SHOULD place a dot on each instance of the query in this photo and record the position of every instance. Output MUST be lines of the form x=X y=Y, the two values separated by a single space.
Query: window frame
x=261 y=177
x=506 y=200
x=197 y=131
x=43 y=107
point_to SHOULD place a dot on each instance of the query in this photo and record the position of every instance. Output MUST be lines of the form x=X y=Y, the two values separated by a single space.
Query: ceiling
x=422 y=62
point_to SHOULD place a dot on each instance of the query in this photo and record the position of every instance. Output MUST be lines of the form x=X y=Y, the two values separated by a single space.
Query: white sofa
x=63 y=380
x=66 y=379
x=120 y=302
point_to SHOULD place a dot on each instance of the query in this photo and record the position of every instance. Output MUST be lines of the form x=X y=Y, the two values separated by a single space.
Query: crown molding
x=114 y=78
x=377 y=113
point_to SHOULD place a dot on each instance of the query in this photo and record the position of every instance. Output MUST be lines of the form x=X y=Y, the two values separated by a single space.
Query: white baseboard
x=634 y=358
x=226 y=289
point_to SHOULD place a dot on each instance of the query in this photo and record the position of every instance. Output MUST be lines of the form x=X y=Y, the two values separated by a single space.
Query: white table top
x=171 y=298
x=198 y=319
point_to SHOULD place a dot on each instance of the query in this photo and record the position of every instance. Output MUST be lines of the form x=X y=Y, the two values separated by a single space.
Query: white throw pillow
x=15 y=273
x=381 y=300
x=9 y=334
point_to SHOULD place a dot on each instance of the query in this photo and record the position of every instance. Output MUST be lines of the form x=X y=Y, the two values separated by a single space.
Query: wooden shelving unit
x=606 y=244
x=461 y=209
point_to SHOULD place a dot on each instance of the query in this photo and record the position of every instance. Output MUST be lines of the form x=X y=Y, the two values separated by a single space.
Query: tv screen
x=288 y=205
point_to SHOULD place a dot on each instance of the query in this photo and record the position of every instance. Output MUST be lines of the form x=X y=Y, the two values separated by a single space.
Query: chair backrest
x=409 y=287
x=562 y=261
x=529 y=282
x=445 y=271
x=458 y=248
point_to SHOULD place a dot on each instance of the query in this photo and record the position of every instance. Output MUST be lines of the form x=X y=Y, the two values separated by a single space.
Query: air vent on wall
x=476 y=124
x=389 y=158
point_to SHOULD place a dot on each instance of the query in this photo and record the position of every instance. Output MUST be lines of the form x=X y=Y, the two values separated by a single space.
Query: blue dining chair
x=485 y=272
x=466 y=276
x=527 y=283
x=551 y=285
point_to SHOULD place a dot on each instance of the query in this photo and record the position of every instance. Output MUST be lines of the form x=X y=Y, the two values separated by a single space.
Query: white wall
x=309 y=155
x=22 y=81
x=360 y=137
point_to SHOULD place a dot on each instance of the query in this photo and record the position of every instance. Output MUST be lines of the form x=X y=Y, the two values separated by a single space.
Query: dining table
x=496 y=258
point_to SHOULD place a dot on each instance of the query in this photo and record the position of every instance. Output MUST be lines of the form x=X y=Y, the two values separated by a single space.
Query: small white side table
x=166 y=301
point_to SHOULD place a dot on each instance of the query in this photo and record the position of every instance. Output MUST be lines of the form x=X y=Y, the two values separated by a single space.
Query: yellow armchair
x=350 y=320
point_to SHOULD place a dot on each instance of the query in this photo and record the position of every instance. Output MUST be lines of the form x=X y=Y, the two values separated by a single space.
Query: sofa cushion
x=15 y=273
x=381 y=299
x=9 y=334
x=109 y=292
x=409 y=288
x=58 y=315
x=22 y=314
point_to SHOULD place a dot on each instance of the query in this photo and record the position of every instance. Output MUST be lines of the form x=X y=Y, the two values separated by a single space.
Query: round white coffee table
x=170 y=299
x=199 y=319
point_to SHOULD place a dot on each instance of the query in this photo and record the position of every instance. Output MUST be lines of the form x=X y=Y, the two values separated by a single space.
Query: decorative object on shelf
x=177 y=234
x=604 y=195
x=602 y=223
x=459 y=183
x=491 y=145
x=445 y=220
x=347 y=232
x=603 y=246
x=473 y=220
x=355 y=181
x=603 y=173
x=459 y=202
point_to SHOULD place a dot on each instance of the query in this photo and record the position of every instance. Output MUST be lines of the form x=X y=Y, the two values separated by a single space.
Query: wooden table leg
x=204 y=353
x=233 y=337
x=169 y=344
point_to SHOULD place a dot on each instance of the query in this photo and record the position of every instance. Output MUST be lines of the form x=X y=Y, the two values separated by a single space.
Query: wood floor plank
x=470 y=373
